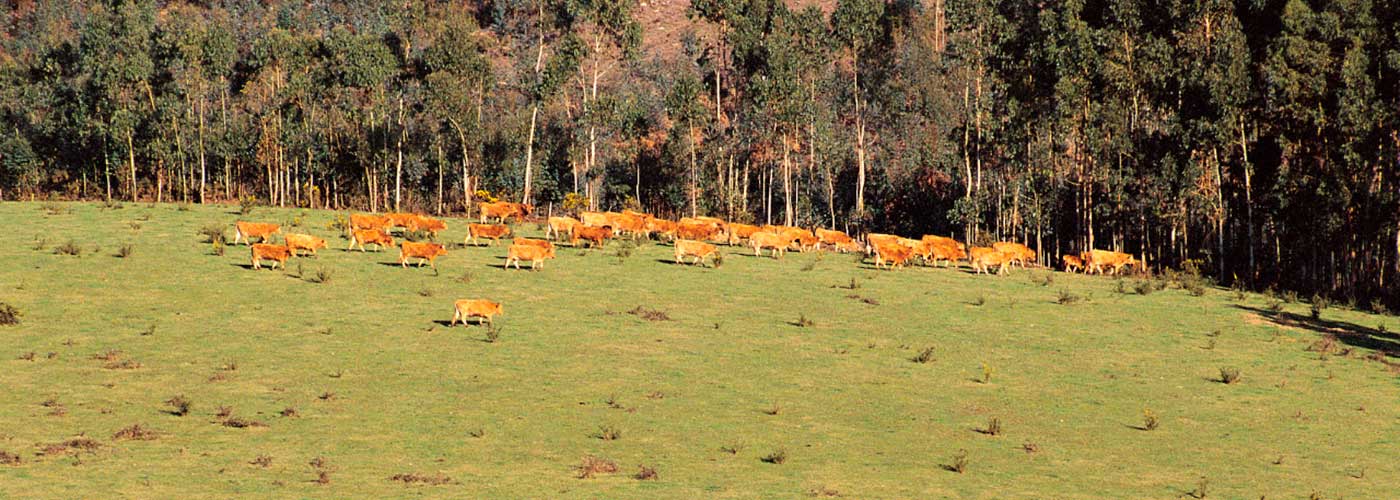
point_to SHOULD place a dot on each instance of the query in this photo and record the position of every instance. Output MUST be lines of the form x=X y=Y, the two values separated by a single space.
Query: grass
x=1071 y=380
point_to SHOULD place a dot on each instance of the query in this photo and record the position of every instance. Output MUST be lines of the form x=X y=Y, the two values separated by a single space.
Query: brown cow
x=304 y=242
x=276 y=253
x=738 y=231
x=831 y=238
x=946 y=252
x=697 y=249
x=1097 y=261
x=369 y=221
x=424 y=252
x=492 y=232
x=401 y=219
x=502 y=209
x=532 y=242
x=247 y=230
x=698 y=231
x=378 y=237
x=876 y=239
x=1072 y=263
x=662 y=228
x=474 y=308
x=896 y=254
x=429 y=224
x=762 y=239
x=534 y=253
x=983 y=258
x=1018 y=253
x=595 y=219
x=596 y=236
x=559 y=226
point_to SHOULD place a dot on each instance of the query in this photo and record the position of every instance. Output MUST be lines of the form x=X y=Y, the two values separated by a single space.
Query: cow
x=492 y=232
x=429 y=224
x=503 y=209
x=474 y=308
x=762 y=239
x=1072 y=263
x=534 y=253
x=1018 y=253
x=297 y=242
x=738 y=231
x=595 y=219
x=276 y=253
x=832 y=238
x=806 y=241
x=596 y=236
x=874 y=240
x=629 y=223
x=983 y=258
x=559 y=226
x=247 y=230
x=424 y=252
x=698 y=231
x=698 y=249
x=532 y=242
x=361 y=237
x=896 y=254
x=1097 y=261
x=369 y=221
x=662 y=228
x=401 y=219
x=946 y=252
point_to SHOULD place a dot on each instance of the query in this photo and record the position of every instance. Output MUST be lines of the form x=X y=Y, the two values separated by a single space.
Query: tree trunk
x=694 y=190
x=1248 y=200
x=441 y=160
x=398 y=167
x=131 y=157
x=860 y=132
x=530 y=152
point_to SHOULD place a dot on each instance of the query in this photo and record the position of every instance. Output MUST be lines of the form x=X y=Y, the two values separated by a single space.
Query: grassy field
x=758 y=358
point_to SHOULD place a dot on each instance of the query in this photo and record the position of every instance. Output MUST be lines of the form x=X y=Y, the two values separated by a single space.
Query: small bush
x=261 y=461
x=810 y=265
x=493 y=333
x=1290 y=297
x=1030 y=447
x=804 y=322
x=322 y=276
x=1066 y=297
x=924 y=356
x=1319 y=303
x=213 y=232
x=179 y=406
x=289 y=412
x=959 y=464
x=7 y=458
x=135 y=432
x=1378 y=306
x=732 y=449
x=466 y=278
x=433 y=480
x=55 y=208
x=28 y=356
x=649 y=314
x=608 y=433
x=1229 y=375
x=1119 y=287
x=993 y=427
x=980 y=301
x=1194 y=287
x=986 y=373
x=218 y=248
x=1143 y=287
x=773 y=410
x=123 y=251
x=9 y=315
x=1202 y=489
x=240 y=423
x=591 y=466
x=1048 y=280
x=40 y=244
x=477 y=433
x=68 y=248
x=625 y=250
x=777 y=457
x=1274 y=306
x=645 y=473
x=425 y=292
x=247 y=204
x=719 y=260
x=1149 y=420
x=823 y=491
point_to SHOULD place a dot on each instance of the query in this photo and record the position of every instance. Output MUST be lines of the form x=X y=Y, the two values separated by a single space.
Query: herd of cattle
x=694 y=238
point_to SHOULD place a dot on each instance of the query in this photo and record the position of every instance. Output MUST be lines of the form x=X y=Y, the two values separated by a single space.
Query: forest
x=1255 y=140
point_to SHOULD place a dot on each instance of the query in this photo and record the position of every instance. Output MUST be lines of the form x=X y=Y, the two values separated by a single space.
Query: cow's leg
x=456 y=315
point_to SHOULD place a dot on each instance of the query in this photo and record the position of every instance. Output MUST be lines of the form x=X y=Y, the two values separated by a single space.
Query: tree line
x=1256 y=140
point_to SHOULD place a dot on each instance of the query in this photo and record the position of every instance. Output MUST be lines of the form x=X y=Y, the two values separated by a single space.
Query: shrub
x=980 y=301
x=493 y=333
x=466 y=278
x=68 y=248
x=924 y=356
x=40 y=243
x=1066 y=297
x=804 y=322
x=1194 y=287
x=247 y=204
x=592 y=466
x=1275 y=306
x=1202 y=489
x=179 y=406
x=649 y=314
x=322 y=276
x=777 y=457
x=993 y=427
x=1319 y=303
x=732 y=449
x=7 y=458
x=261 y=461
x=123 y=251
x=218 y=247
x=1119 y=287
x=986 y=373
x=434 y=480
x=1229 y=375
x=719 y=260
x=1030 y=447
x=135 y=432
x=959 y=464
x=1378 y=306
x=339 y=224
x=213 y=232
x=1290 y=297
x=1143 y=287
x=773 y=410
x=1149 y=420
x=9 y=315
x=608 y=432
x=645 y=473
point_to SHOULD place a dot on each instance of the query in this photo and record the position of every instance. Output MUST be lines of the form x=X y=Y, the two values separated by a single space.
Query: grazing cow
x=1072 y=263
x=698 y=231
x=492 y=232
x=946 y=252
x=595 y=219
x=474 y=308
x=246 y=231
x=896 y=254
x=697 y=249
x=852 y=246
x=876 y=239
x=424 y=252
x=304 y=242
x=983 y=258
x=379 y=237
x=401 y=219
x=534 y=253
x=502 y=209
x=369 y=221
x=831 y=238
x=629 y=224
x=944 y=240
x=662 y=228
x=276 y=253
x=807 y=242
x=429 y=224
x=596 y=236
x=559 y=226
x=1018 y=253
x=739 y=232
x=762 y=239
x=1097 y=261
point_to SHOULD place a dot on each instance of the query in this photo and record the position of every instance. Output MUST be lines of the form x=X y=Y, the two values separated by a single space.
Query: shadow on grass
x=1350 y=334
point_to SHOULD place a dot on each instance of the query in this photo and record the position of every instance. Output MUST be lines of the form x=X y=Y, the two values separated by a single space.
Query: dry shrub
x=823 y=492
x=289 y=412
x=1030 y=447
x=179 y=406
x=993 y=427
x=28 y=356
x=777 y=457
x=592 y=466
x=68 y=248
x=804 y=322
x=1150 y=420
x=240 y=423
x=77 y=444
x=1229 y=375
x=7 y=458
x=110 y=355
x=959 y=464
x=261 y=461
x=125 y=364
x=924 y=356
x=649 y=314
x=135 y=432
x=412 y=478
x=608 y=433
x=645 y=473
x=9 y=315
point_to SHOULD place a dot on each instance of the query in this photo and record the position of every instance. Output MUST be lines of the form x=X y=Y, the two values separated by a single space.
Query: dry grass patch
x=591 y=466
x=412 y=478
